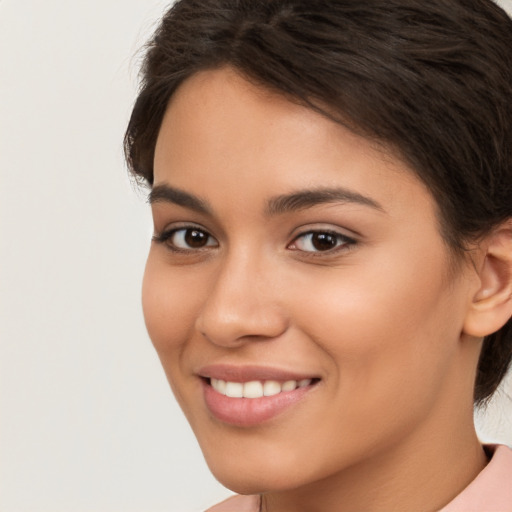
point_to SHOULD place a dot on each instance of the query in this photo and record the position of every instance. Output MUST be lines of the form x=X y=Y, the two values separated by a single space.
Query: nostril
x=231 y=323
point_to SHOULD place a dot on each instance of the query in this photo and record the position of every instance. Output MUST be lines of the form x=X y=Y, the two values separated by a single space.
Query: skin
x=379 y=320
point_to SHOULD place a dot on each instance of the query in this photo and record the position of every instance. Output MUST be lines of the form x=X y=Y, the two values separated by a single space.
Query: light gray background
x=87 y=422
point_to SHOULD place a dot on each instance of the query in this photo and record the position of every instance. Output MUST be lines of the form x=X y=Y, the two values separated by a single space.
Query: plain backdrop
x=87 y=421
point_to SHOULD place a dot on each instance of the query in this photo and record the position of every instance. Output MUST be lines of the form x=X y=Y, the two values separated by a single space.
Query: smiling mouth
x=252 y=395
x=256 y=388
x=253 y=402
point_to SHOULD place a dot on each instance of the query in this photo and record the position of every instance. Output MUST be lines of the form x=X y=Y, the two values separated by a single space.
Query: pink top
x=490 y=491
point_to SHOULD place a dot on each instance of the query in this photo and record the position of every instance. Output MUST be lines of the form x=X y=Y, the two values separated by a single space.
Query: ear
x=491 y=306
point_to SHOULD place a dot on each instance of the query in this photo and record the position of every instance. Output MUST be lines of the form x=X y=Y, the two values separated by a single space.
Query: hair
x=432 y=80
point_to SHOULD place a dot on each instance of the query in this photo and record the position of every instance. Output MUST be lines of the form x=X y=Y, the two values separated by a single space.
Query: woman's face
x=296 y=264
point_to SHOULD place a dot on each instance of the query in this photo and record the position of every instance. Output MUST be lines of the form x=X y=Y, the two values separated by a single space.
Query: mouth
x=256 y=388
x=250 y=401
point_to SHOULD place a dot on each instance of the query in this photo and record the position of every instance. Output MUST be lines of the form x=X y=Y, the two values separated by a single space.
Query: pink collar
x=491 y=490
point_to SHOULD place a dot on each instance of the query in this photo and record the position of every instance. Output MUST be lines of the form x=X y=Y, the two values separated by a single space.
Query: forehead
x=222 y=133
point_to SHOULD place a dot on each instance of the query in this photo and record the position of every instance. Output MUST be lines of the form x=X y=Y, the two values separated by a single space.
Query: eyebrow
x=304 y=199
x=278 y=205
x=165 y=193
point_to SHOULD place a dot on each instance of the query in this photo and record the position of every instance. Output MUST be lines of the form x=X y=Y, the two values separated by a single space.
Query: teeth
x=271 y=388
x=289 y=385
x=253 y=389
x=219 y=385
x=234 y=389
x=256 y=388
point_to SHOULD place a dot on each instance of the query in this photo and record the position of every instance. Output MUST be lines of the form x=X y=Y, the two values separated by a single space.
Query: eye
x=320 y=241
x=186 y=239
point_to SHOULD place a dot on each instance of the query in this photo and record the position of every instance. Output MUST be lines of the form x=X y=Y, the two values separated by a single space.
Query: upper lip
x=247 y=373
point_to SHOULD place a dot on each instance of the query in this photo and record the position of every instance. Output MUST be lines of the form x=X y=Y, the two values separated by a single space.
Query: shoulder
x=491 y=489
x=237 y=504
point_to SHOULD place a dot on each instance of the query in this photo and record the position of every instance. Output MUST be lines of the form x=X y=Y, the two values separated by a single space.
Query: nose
x=242 y=305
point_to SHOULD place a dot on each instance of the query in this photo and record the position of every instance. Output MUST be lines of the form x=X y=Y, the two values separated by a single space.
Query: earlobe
x=491 y=305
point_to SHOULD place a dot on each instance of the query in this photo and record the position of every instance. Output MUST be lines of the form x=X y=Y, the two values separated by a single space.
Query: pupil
x=195 y=238
x=323 y=241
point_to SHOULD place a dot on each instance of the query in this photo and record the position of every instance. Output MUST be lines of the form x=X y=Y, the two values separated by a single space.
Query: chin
x=260 y=470
x=248 y=483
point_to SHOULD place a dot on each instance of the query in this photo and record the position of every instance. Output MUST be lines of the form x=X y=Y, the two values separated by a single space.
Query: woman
x=329 y=286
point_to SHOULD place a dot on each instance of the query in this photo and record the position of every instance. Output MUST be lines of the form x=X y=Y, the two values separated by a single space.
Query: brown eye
x=190 y=238
x=321 y=241
x=195 y=238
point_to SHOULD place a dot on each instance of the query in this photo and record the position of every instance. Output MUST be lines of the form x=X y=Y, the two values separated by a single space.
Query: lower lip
x=249 y=412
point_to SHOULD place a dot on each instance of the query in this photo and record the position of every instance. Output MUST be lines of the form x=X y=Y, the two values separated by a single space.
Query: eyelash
x=165 y=237
x=343 y=242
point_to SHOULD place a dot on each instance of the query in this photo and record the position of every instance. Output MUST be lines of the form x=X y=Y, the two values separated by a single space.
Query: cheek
x=370 y=308
x=390 y=332
x=168 y=302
